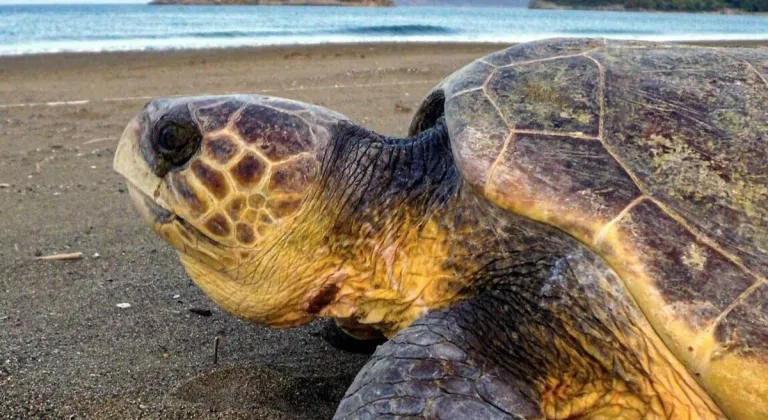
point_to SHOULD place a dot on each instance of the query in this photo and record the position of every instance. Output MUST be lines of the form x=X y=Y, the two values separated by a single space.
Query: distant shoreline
x=327 y=47
x=552 y=5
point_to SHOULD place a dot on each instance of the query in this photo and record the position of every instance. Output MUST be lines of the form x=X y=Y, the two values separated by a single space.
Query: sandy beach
x=66 y=349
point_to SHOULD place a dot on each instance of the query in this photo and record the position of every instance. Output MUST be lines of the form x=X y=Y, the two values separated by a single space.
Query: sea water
x=26 y=29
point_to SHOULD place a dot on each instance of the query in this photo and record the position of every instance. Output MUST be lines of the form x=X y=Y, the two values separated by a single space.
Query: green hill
x=663 y=5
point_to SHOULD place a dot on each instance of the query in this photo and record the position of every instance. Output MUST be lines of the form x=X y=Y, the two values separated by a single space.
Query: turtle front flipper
x=544 y=337
x=434 y=369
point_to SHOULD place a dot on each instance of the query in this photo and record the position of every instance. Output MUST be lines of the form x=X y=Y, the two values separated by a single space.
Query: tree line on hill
x=669 y=5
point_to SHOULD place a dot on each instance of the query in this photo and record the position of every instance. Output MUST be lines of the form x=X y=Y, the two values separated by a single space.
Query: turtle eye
x=176 y=139
x=171 y=139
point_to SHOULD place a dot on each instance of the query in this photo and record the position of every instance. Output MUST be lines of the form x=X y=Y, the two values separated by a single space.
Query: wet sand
x=66 y=349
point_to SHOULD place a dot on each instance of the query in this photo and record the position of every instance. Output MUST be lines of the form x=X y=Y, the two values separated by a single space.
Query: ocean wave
x=234 y=34
x=166 y=44
x=55 y=28
x=609 y=32
x=397 y=30
x=207 y=34
x=375 y=30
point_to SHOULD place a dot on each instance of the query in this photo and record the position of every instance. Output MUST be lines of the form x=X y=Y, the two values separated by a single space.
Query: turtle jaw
x=159 y=218
x=205 y=265
x=147 y=189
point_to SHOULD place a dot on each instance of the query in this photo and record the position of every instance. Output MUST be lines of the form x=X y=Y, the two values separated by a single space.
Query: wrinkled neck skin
x=393 y=205
x=389 y=233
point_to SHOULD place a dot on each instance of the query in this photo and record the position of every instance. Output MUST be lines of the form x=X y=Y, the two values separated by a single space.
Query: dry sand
x=66 y=349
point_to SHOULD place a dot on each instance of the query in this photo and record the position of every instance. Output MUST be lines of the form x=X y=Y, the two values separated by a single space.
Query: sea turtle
x=574 y=228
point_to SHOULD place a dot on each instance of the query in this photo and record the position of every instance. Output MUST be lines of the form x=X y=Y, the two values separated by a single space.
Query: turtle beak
x=143 y=184
x=129 y=161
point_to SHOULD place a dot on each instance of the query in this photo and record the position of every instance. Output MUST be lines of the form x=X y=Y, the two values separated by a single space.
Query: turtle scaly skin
x=574 y=228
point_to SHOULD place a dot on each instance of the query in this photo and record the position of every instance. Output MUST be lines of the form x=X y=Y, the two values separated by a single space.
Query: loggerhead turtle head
x=222 y=179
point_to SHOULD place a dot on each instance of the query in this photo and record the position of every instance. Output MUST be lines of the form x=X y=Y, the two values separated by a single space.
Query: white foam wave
x=206 y=43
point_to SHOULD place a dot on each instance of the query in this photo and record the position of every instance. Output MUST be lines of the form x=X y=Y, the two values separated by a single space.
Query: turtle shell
x=656 y=157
